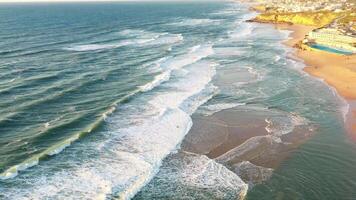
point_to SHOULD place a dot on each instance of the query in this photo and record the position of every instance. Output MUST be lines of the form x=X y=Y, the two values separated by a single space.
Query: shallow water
x=94 y=96
x=330 y=49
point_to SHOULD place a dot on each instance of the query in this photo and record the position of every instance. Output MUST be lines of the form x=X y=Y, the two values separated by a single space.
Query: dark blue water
x=93 y=96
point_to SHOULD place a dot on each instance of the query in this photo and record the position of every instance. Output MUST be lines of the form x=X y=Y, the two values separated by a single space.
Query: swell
x=24 y=70
x=20 y=108
x=154 y=39
x=59 y=146
x=31 y=81
x=24 y=51
x=33 y=50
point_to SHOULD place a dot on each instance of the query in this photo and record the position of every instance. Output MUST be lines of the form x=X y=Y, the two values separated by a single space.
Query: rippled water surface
x=93 y=97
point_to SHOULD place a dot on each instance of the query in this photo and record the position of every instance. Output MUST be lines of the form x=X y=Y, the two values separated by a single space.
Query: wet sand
x=239 y=134
x=339 y=71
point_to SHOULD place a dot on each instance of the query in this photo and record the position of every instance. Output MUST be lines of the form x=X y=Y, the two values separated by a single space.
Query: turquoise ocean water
x=95 y=96
x=332 y=50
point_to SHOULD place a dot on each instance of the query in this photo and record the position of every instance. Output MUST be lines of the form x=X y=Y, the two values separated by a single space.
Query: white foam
x=196 y=22
x=169 y=64
x=129 y=166
x=195 y=101
x=135 y=142
x=91 y=47
x=96 y=47
x=14 y=170
x=199 y=75
x=108 y=112
x=242 y=31
x=196 y=53
x=210 y=109
x=141 y=34
x=233 y=10
x=155 y=66
x=167 y=39
x=228 y=51
x=193 y=176
x=281 y=125
x=133 y=32
x=252 y=174
x=156 y=81
x=9 y=174
x=345 y=109
x=259 y=74
x=53 y=150
x=138 y=38
x=262 y=144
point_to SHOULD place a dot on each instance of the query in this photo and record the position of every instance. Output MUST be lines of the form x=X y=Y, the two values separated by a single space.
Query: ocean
x=96 y=98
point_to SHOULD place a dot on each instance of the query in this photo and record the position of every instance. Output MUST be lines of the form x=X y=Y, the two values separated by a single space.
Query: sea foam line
x=134 y=154
x=57 y=148
x=172 y=105
x=60 y=146
x=195 y=54
x=196 y=22
x=158 y=39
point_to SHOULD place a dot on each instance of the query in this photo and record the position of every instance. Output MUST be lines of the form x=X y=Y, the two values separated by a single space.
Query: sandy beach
x=339 y=71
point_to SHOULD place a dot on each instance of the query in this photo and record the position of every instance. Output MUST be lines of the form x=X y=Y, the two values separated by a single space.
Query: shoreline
x=242 y=134
x=248 y=140
x=337 y=71
x=234 y=135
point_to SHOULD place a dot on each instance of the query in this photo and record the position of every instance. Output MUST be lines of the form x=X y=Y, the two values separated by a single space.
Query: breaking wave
x=139 y=136
x=135 y=38
x=196 y=22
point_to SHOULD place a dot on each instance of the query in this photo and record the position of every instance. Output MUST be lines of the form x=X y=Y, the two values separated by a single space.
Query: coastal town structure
x=308 y=5
x=332 y=38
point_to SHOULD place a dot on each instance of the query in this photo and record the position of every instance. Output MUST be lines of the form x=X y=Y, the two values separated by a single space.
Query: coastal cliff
x=318 y=19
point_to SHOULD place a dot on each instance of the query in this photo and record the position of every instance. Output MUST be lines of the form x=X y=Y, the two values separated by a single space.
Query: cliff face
x=318 y=19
